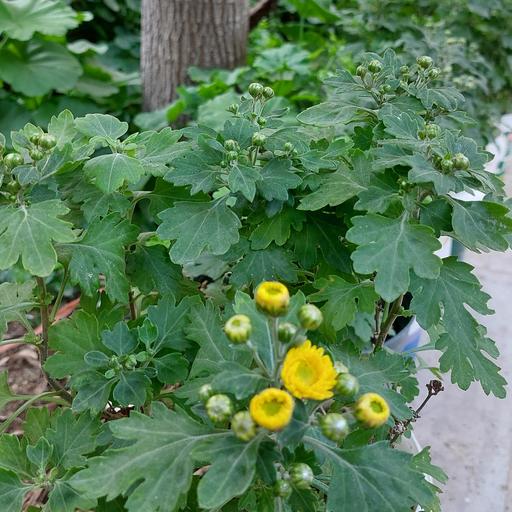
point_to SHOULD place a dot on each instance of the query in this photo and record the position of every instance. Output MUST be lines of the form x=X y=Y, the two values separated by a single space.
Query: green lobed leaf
x=243 y=179
x=12 y=491
x=119 y=340
x=15 y=301
x=103 y=126
x=276 y=229
x=277 y=179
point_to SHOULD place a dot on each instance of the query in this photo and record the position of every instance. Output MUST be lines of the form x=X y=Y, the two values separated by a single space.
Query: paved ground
x=470 y=433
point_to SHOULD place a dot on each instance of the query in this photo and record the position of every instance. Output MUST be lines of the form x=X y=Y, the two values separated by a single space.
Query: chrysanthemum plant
x=179 y=383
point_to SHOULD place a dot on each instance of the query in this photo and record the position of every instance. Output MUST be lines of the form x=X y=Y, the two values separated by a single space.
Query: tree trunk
x=177 y=34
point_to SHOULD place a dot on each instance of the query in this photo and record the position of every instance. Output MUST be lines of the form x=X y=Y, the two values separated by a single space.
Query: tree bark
x=177 y=34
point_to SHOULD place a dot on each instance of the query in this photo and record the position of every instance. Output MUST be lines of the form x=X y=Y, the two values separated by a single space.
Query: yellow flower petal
x=371 y=410
x=272 y=298
x=309 y=373
x=272 y=408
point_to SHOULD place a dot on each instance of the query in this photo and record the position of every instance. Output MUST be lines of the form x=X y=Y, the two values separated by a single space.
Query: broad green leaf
x=171 y=368
x=15 y=301
x=328 y=114
x=109 y=172
x=380 y=194
x=194 y=168
x=243 y=179
x=73 y=437
x=101 y=251
x=198 y=227
x=392 y=247
x=12 y=491
x=231 y=473
x=103 y=126
x=40 y=453
x=315 y=9
x=272 y=263
x=94 y=203
x=28 y=232
x=402 y=125
x=343 y=299
x=445 y=97
x=276 y=179
x=63 y=498
x=374 y=478
x=20 y=19
x=422 y=462
x=481 y=225
x=13 y=455
x=37 y=421
x=240 y=130
x=159 y=150
x=276 y=229
x=131 y=389
x=238 y=380
x=119 y=340
x=157 y=457
x=93 y=392
x=37 y=67
x=62 y=127
x=335 y=188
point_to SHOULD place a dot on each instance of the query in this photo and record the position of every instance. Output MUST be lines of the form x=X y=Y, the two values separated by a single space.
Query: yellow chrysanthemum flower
x=272 y=298
x=308 y=372
x=371 y=410
x=272 y=408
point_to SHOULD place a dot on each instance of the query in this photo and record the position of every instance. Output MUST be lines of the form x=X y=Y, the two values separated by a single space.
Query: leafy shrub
x=345 y=207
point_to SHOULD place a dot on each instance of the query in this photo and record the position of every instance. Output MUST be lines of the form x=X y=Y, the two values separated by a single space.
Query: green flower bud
x=282 y=488
x=286 y=332
x=268 y=93
x=35 y=154
x=238 y=329
x=261 y=121
x=424 y=61
x=301 y=475
x=243 y=426
x=432 y=130
x=223 y=164
x=404 y=70
x=340 y=367
x=447 y=164
x=375 y=66
x=461 y=161
x=219 y=408
x=347 y=384
x=232 y=155
x=13 y=187
x=47 y=141
x=230 y=145
x=12 y=160
x=288 y=146
x=310 y=317
x=255 y=89
x=361 y=71
x=205 y=392
x=434 y=73
x=35 y=138
x=258 y=139
x=334 y=426
x=422 y=134
x=233 y=108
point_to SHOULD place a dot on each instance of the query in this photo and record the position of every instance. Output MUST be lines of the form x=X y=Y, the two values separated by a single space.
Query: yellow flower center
x=306 y=373
x=272 y=408
x=376 y=406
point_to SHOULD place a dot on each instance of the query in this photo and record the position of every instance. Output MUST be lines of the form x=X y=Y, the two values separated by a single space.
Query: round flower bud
x=255 y=90
x=205 y=392
x=35 y=138
x=301 y=475
x=47 y=141
x=272 y=298
x=422 y=134
x=258 y=139
x=282 y=489
x=232 y=155
x=219 y=408
x=35 y=154
x=371 y=410
x=361 y=71
x=310 y=317
x=347 y=384
x=286 y=332
x=288 y=146
x=434 y=73
x=268 y=92
x=261 y=121
x=334 y=426
x=375 y=66
x=447 y=164
x=461 y=161
x=424 y=61
x=230 y=145
x=233 y=108
x=238 y=329
x=243 y=426
x=12 y=160
x=432 y=130
x=404 y=70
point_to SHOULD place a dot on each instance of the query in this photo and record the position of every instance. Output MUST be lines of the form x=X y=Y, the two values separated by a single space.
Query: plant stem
x=133 y=311
x=388 y=322
x=60 y=295
x=13 y=341
x=45 y=324
x=258 y=360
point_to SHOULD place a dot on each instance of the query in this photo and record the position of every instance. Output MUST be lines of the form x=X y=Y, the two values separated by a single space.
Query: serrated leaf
x=343 y=299
x=101 y=250
x=481 y=225
x=93 y=392
x=231 y=474
x=238 y=380
x=402 y=125
x=445 y=97
x=159 y=150
x=276 y=229
x=37 y=67
x=62 y=498
x=94 y=203
x=195 y=169
x=171 y=368
x=12 y=491
x=109 y=172
x=422 y=171
x=276 y=179
x=197 y=227
x=104 y=126
x=392 y=247
x=240 y=130
x=28 y=232
x=15 y=301
x=131 y=389
x=335 y=188
x=380 y=194
x=40 y=453
x=158 y=456
x=119 y=340
x=328 y=114
x=62 y=127
x=243 y=179
x=20 y=19
x=13 y=455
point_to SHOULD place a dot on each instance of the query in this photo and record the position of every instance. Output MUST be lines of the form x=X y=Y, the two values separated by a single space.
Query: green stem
x=3 y=41
x=274 y=328
x=13 y=341
x=257 y=359
x=388 y=323
x=60 y=295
